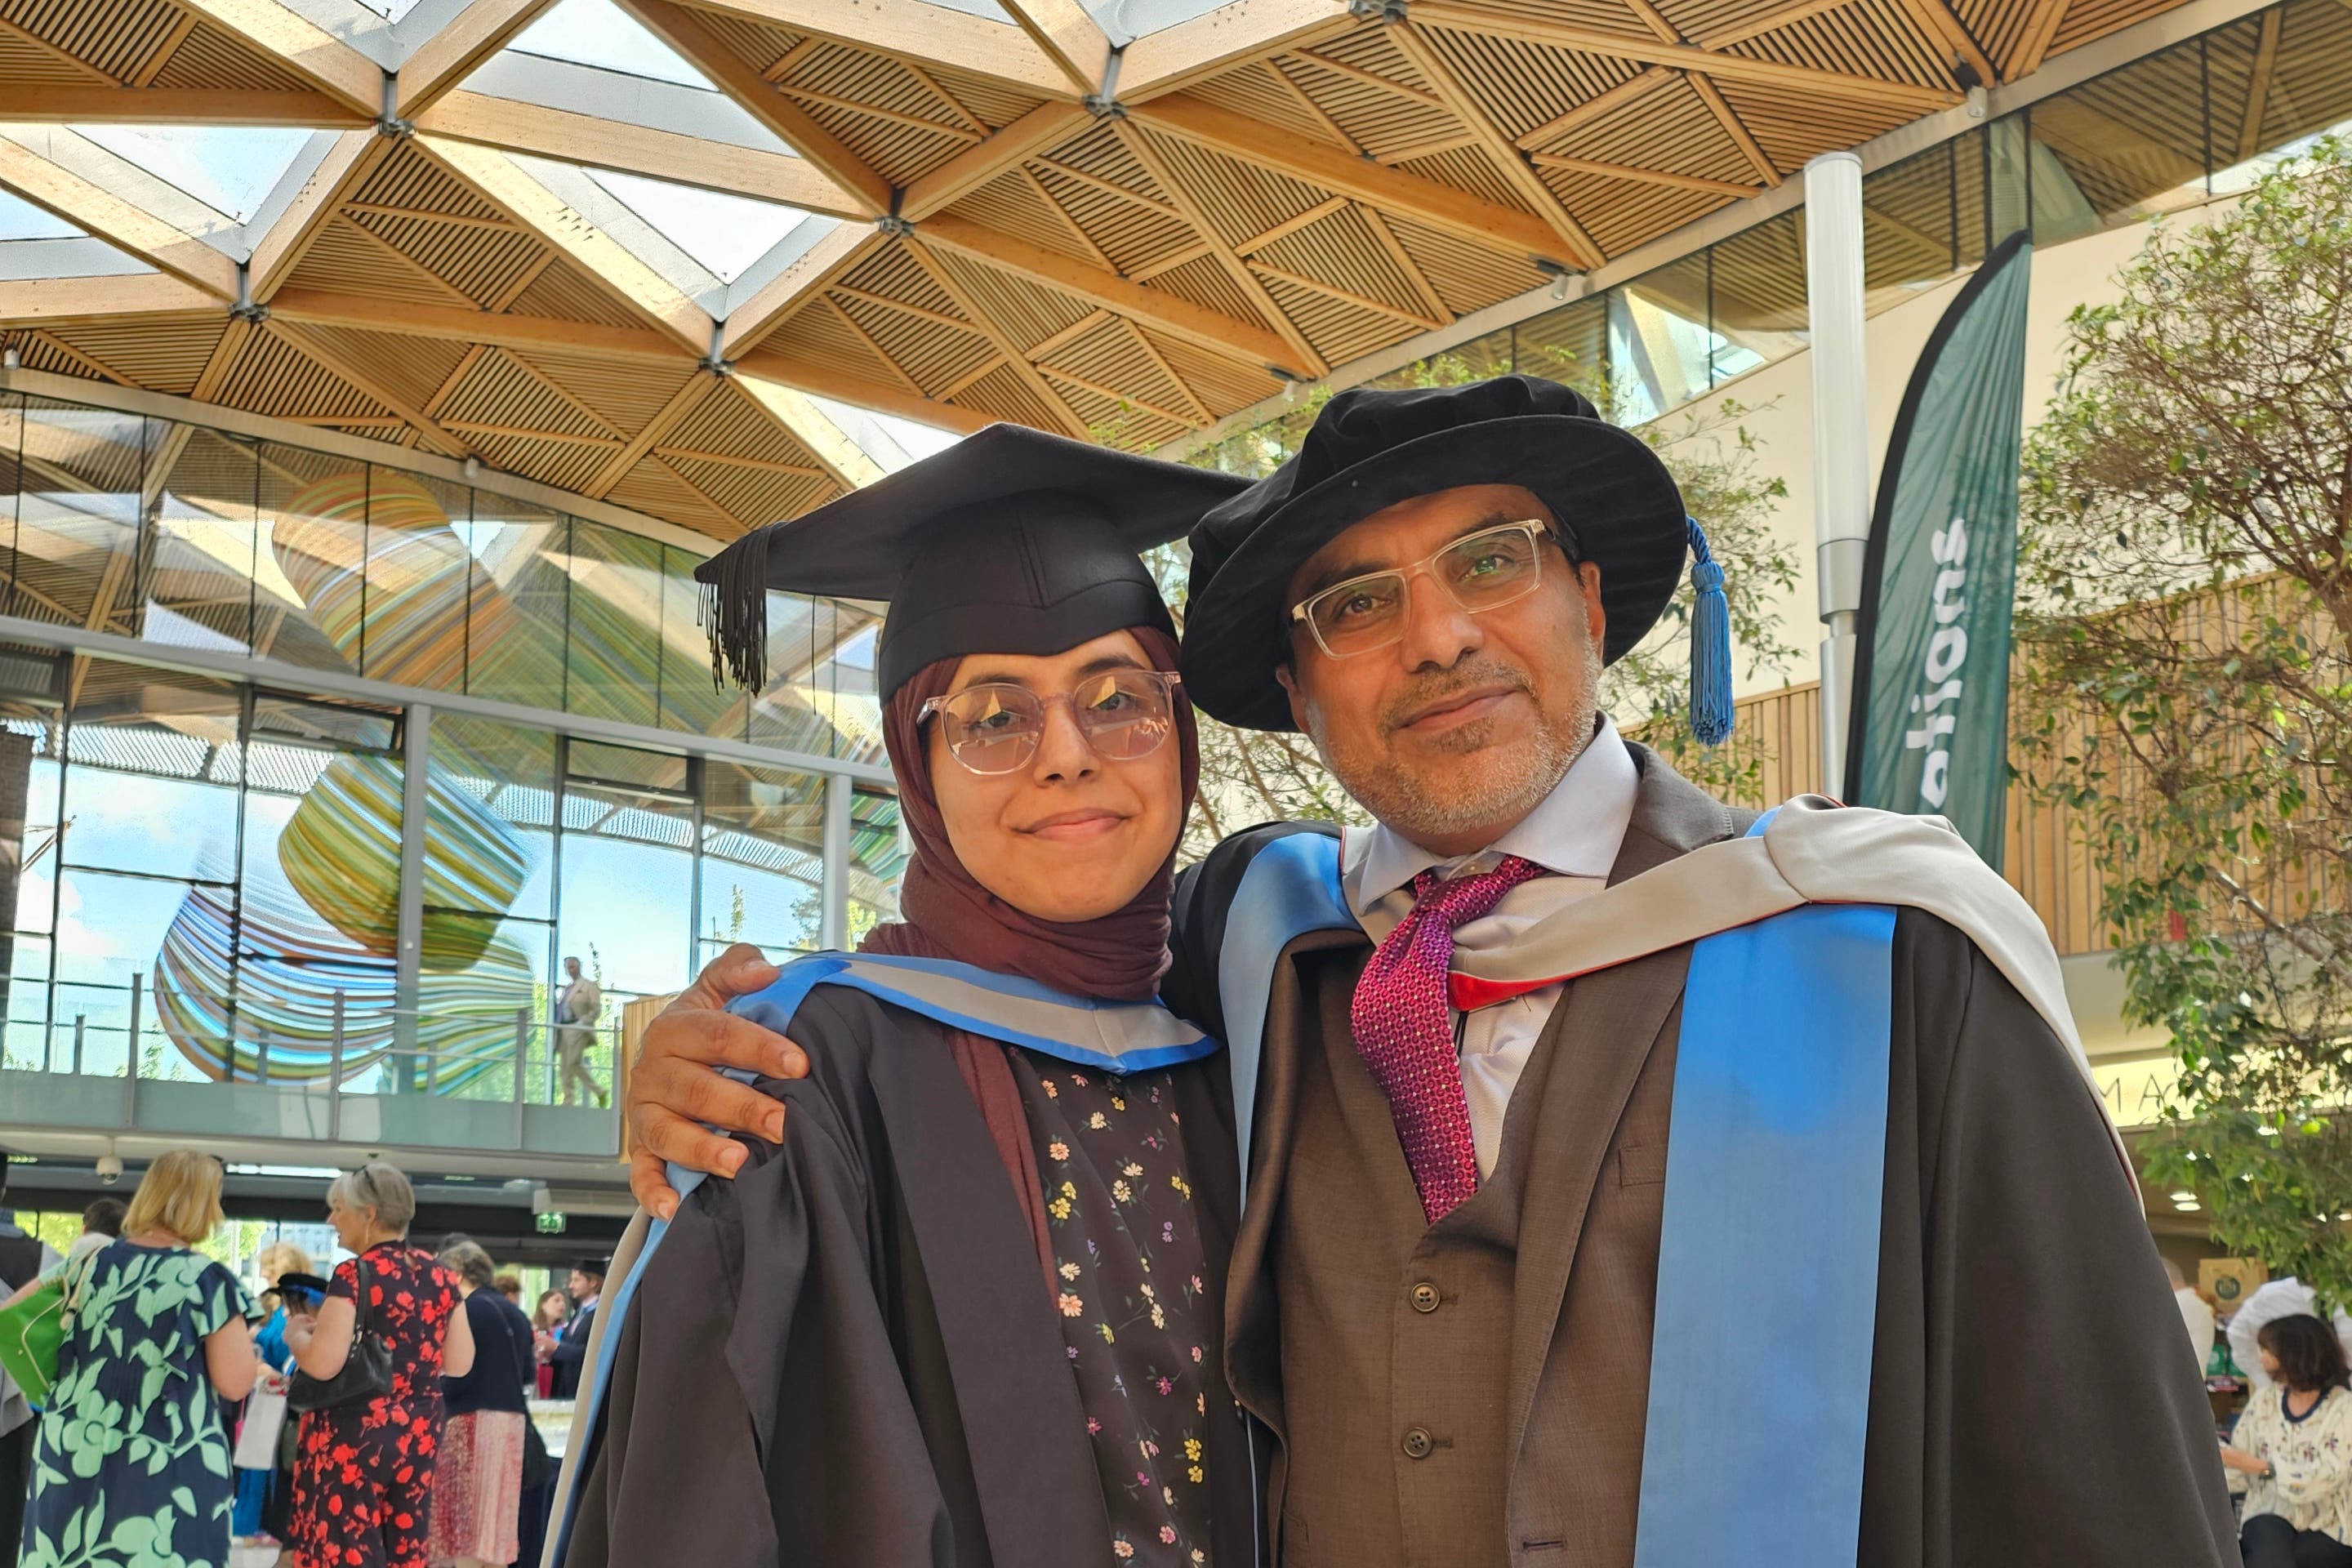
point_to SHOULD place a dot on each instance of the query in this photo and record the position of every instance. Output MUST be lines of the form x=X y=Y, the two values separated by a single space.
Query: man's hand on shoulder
x=675 y=1089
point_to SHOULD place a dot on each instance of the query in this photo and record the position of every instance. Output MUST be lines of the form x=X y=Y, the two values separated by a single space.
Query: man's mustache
x=1430 y=689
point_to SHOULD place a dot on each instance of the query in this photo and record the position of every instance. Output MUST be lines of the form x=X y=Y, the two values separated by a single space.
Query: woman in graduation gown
x=968 y=1311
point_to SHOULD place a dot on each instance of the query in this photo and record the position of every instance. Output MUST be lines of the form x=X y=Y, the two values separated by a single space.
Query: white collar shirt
x=1574 y=833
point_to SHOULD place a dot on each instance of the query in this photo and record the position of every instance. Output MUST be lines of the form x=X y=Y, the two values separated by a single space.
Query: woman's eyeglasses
x=996 y=727
x=1480 y=571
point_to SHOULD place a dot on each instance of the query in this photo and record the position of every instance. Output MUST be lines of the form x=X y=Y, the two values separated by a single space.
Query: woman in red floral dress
x=363 y=1470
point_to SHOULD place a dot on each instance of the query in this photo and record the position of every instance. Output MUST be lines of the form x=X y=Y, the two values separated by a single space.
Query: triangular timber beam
x=1648 y=49
x=450 y=54
x=659 y=154
x=1043 y=127
x=28 y=168
x=22 y=103
x=612 y=266
x=506 y=330
x=926 y=34
x=808 y=275
x=1072 y=40
x=302 y=46
x=683 y=30
x=280 y=248
x=1174 y=57
x=1163 y=312
x=1197 y=121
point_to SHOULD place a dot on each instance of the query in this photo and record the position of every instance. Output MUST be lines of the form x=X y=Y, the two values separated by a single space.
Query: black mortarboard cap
x=1010 y=541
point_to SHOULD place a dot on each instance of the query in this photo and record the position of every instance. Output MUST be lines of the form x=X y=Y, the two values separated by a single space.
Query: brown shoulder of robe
x=845 y=1356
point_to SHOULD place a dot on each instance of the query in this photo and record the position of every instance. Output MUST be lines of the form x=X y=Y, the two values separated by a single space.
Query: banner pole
x=1833 y=288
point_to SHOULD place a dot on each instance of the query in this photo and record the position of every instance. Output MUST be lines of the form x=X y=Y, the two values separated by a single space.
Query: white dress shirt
x=1575 y=834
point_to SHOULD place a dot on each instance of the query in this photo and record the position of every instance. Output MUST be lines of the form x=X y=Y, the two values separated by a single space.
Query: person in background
x=363 y=1469
x=577 y=1008
x=2282 y=1297
x=2294 y=1445
x=2194 y=1315
x=567 y=1351
x=509 y=1285
x=131 y=1465
x=101 y=1223
x=547 y=1323
x=477 y=1485
x=258 y=1490
x=23 y=1261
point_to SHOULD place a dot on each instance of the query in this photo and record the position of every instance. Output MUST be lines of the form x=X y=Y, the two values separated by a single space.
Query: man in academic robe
x=1445 y=1291
x=567 y=1348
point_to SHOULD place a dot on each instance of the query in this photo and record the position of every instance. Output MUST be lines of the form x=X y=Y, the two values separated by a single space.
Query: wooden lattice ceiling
x=1034 y=226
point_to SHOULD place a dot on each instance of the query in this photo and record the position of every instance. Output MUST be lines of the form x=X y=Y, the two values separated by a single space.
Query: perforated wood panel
x=1280 y=188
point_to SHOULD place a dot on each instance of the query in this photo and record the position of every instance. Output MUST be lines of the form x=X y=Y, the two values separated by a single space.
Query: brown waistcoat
x=1497 y=1416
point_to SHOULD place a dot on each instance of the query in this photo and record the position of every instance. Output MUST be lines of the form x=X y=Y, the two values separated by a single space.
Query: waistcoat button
x=1424 y=1296
x=1417 y=1443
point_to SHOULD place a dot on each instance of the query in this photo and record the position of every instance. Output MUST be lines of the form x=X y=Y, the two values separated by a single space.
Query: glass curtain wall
x=208 y=873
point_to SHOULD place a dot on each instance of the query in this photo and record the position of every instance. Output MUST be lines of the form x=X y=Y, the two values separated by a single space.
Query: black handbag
x=539 y=1466
x=366 y=1371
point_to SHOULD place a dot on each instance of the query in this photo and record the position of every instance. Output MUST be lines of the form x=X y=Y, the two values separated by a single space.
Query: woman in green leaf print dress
x=130 y=1468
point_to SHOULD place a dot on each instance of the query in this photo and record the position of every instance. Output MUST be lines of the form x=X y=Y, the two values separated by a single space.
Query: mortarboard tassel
x=734 y=613
x=1710 y=652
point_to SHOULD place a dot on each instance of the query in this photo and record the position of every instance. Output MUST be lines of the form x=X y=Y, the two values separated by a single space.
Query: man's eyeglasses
x=996 y=727
x=1480 y=571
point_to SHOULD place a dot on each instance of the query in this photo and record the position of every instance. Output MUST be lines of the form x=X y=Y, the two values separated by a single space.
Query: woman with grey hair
x=364 y=1467
x=477 y=1489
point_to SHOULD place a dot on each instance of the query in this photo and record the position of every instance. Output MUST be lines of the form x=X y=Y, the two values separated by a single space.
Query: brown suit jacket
x=2029 y=1400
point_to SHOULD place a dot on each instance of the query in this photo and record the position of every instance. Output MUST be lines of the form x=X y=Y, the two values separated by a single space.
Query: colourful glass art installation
x=341 y=851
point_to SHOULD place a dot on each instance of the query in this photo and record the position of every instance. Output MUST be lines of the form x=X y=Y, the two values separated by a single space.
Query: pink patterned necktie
x=1405 y=1036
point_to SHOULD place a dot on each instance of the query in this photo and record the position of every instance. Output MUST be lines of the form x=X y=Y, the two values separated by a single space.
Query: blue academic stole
x=1759 y=1396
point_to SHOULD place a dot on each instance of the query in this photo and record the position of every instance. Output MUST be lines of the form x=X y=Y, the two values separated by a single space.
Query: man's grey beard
x=1400 y=802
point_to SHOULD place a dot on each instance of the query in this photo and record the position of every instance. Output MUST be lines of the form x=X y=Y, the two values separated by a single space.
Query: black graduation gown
x=846 y=1354
x=570 y=1357
x=2029 y=1400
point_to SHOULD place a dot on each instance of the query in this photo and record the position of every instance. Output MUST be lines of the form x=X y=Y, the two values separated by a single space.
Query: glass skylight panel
x=724 y=233
x=599 y=33
x=893 y=443
x=1128 y=19
x=231 y=169
x=20 y=219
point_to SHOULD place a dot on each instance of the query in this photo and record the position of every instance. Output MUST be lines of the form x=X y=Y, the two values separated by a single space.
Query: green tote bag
x=32 y=1330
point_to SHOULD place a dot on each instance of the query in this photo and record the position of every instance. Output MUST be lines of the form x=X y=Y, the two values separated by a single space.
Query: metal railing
x=347 y=1045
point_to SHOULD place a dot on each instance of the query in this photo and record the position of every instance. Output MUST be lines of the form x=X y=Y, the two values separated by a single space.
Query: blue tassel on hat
x=1710 y=649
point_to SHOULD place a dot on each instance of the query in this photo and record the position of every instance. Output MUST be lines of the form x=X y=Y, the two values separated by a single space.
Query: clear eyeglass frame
x=1533 y=531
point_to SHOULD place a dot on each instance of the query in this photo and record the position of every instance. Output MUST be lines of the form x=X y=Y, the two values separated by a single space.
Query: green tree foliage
x=2186 y=603
x=1247 y=777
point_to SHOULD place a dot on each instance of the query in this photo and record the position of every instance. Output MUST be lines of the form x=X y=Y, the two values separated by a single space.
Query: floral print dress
x=2311 y=1455
x=131 y=1465
x=1128 y=1255
x=363 y=1471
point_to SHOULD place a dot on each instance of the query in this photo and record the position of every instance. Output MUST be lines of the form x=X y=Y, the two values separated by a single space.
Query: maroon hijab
x=1117 y=957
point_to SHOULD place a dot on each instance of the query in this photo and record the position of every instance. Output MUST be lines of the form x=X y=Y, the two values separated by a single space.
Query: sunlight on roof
x=893 y=443
x=231 y=169
x=726 y=234
x=20 y=219
x=599 y=33
x=1124 y=19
